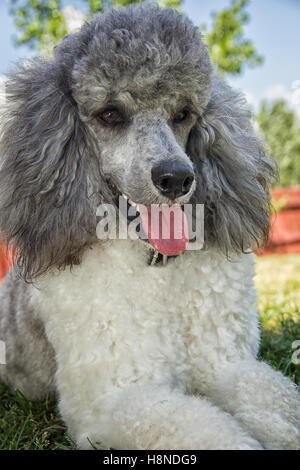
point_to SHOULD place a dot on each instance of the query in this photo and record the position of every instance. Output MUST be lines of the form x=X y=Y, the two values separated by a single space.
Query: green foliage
x=281 y=130
x=102 y=5
x=171 y=4
x=40 y=22
x=229 y=50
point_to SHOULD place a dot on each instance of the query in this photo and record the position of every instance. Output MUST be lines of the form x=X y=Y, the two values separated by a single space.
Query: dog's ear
x=233 y=172
x=49 y=171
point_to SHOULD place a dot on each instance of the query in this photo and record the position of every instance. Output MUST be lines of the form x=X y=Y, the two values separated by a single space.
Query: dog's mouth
x=164 y=226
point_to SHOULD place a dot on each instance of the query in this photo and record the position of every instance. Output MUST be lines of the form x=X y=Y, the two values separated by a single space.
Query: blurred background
x=255 y=45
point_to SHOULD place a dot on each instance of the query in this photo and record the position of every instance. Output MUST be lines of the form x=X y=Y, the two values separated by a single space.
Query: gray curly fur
x=55 y=159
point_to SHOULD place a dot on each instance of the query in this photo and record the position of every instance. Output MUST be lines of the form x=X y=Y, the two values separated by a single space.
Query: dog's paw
x=263 y=401
x=272 y=430
x=277 y=425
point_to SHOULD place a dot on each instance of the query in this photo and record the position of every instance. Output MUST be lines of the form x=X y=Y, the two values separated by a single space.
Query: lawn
x=278 y=284
x=36 y=425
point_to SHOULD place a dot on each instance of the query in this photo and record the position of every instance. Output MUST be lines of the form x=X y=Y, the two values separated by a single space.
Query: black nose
x=173 y=179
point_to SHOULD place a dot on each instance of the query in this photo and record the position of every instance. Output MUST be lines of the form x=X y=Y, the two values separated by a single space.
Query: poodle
x=142 y=353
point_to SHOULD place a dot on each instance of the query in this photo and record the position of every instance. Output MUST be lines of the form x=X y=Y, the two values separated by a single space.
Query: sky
x=274 y=28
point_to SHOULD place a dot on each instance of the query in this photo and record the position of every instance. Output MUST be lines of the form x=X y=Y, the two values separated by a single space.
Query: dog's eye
x=110 y=117
x=181 y=116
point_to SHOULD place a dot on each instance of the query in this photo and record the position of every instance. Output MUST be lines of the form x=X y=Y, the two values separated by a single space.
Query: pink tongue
x=166 y=228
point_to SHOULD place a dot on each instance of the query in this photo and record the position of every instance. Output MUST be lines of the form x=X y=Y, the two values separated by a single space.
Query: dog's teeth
x=131 y=203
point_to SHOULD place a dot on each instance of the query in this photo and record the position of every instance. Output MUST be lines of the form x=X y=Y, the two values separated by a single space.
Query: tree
x=228 y=48
x=41 y=25
x=281 y=130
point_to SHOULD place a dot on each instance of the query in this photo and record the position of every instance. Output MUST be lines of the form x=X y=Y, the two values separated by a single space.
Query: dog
x=141 y=356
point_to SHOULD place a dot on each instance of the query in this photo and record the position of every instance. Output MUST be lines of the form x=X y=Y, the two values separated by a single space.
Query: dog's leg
x=29 y=358
x=149 y=416
x=265 y=402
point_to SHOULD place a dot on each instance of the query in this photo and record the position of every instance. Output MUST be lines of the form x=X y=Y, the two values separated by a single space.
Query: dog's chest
x=135 y=322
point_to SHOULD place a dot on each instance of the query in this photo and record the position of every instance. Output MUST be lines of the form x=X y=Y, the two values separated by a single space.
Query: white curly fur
x=142 y=346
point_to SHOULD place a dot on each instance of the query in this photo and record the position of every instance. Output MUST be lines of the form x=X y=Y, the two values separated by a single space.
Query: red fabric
x=292 y=196
x=5 y=261
x=285 y=231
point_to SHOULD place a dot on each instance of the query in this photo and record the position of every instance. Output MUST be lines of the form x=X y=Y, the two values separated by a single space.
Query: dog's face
x=141 y=101
x=143 y=149
x=129 y=105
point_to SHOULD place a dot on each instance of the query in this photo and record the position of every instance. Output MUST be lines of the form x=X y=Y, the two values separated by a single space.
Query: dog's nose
x=173 y=179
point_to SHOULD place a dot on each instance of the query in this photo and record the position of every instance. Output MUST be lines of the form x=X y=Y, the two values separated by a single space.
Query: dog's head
x=131 y=105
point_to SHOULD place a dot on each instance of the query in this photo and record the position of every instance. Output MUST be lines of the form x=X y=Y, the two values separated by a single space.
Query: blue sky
x=274 y=27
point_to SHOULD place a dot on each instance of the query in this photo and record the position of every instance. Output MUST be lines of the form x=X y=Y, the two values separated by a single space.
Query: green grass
x=30 y=425
x=36 y=425
x=278 y=285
